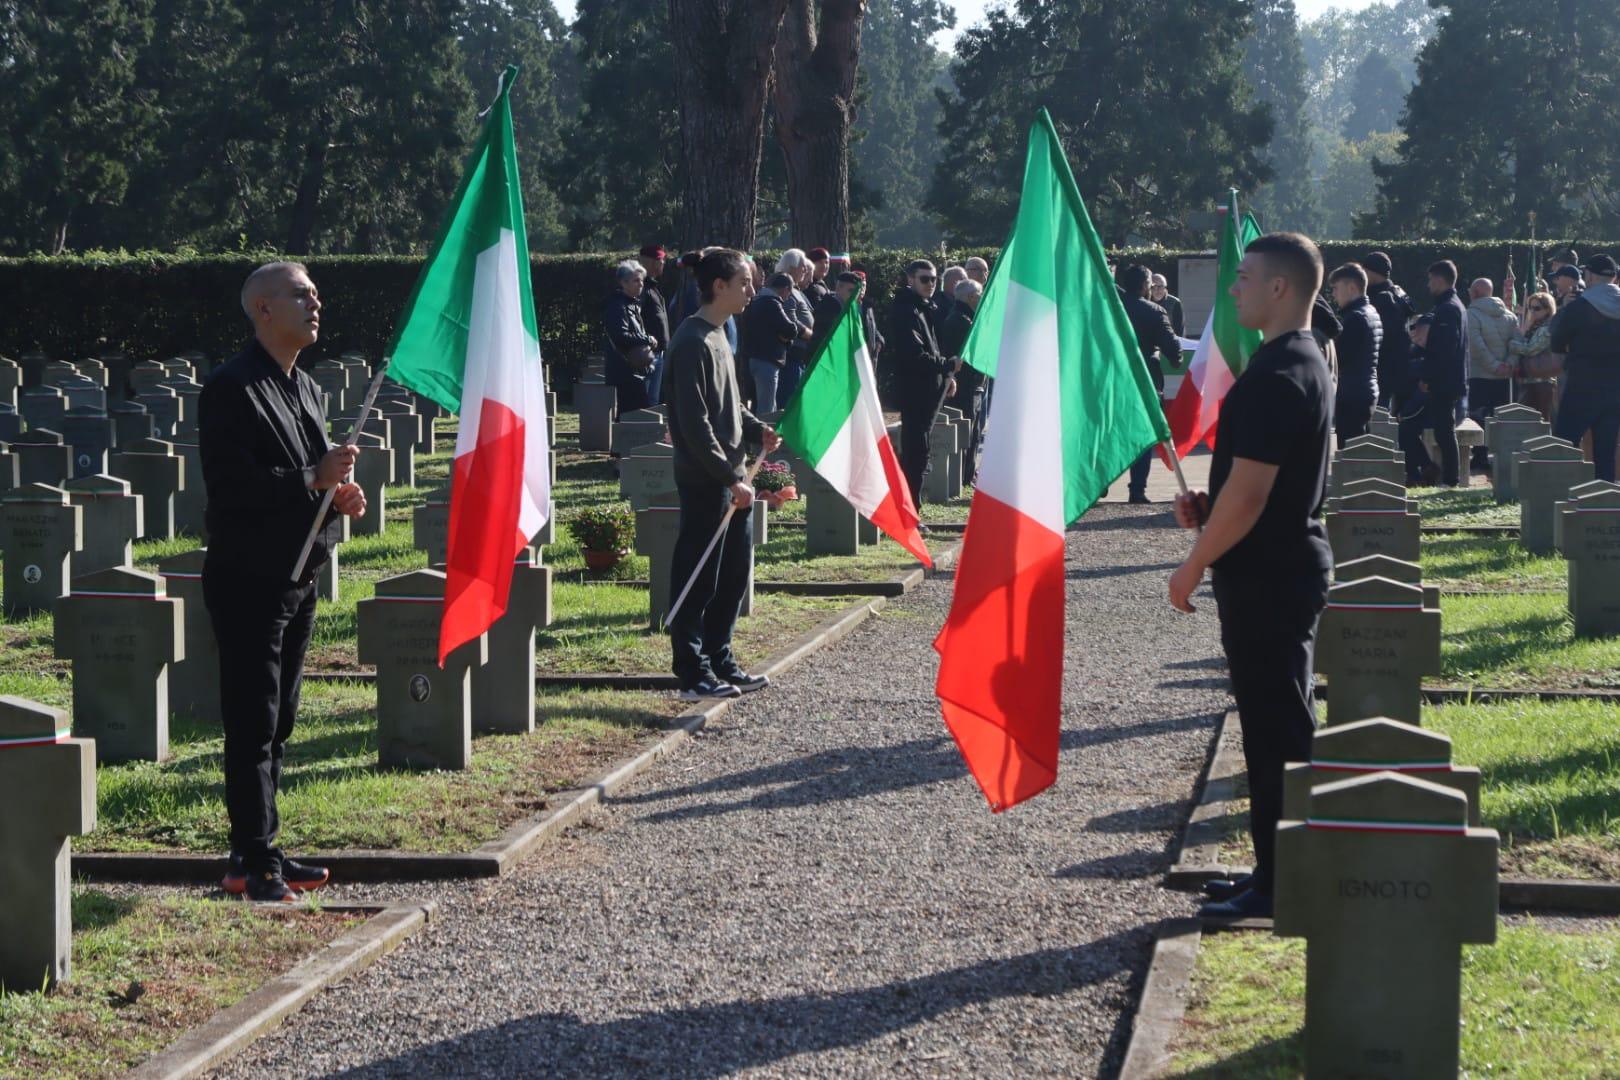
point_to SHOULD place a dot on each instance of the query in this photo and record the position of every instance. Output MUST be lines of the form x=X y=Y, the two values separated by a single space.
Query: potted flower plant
x=776 y=484
x=605 y=533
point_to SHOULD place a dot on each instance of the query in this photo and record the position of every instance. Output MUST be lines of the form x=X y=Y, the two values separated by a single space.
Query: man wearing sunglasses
x=925 y=373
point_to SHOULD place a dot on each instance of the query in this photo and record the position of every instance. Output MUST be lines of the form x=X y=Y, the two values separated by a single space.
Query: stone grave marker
x=333 y=379
x=503 y=688
x=551 y=418
x=430 y=526
x=121 y=631
x=1384 y=425
x=1376 y=745
x=964 y=439
x=1544 y=476
x=155 y=473
x=409 y=423
x=194 y=678
x=90 y=433
x=1589 y=538
x=394 y=431
x=56 y=372
x=165 y=406
x=131 y=421
x=83 y=393
x=42 y=407
x=424 y=712
x=636 y=428
x=1407 y=573
x=1375 y=643
x=1505 y=434
x=43 y=457
x=1469 y=435
x=597 y=402
x=184 y=366
x=1386 y=882
x=96 y=372
x=10 y=471
x=373 y=471
x=647 y=475
x=40 y=529
x=656 y=530
x=1372 y=483
x=1373 y=523
x=326 y=578
x=145 y=375
x=1360 y=462
x=32 y=363
x=944 y=480
x=831 y=524
x=112 y=521
x=11 y=423
x=187 y=390
x=191 y=501
x=10 y=381
x=47 y=796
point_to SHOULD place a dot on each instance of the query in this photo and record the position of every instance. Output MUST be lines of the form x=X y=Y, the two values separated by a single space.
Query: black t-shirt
x=1280 y=412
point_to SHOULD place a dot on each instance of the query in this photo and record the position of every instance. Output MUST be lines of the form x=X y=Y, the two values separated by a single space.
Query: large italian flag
x=1224 y=350
x=1074 y=407
x=467 y=340
x=835 y=423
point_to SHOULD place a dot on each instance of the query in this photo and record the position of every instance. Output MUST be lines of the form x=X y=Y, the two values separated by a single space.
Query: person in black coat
x=266 y=462
x=970 y=382
x=628 y=350
x=655 y=317
x=1395 y=310
x=1588 y=331
x=924 y=374
x=765 y=334
x=1445 y=367
x=1157 y=341
x=1159 y=292
x=1358 y=348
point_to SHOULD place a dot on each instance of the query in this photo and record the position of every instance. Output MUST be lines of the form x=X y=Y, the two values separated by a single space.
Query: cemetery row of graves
x=1432 y=782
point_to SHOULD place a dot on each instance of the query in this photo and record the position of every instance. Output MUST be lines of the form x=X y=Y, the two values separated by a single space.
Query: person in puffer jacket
x=1395 y=310
x=1587 y=331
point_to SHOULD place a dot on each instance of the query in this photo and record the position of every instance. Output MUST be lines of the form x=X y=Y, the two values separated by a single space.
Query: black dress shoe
x=1248 y=904
x=1226 y=888
x=1139 y=500
x=743 y=681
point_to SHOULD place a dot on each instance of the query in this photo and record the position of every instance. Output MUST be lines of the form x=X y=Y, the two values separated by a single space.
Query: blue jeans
x=766 y=377
x=655 y=380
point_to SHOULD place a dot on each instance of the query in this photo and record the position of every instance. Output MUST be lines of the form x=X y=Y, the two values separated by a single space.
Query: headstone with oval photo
x=40 y=529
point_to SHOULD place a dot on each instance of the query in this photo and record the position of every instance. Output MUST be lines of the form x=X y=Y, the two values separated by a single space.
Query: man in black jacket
x=655 y=317
x=1156 y=339
x=266 y=463
x=1588 y=332
x=764 y=334
x=924 y=374
x=1445 y=370
x=627 y=346
x=820 y=266
x=1159 y=292
x=1358 y=348
x=969 y=396
x=830 y=308
x=1394 y=309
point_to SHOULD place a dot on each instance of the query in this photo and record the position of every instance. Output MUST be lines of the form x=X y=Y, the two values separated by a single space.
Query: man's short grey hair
x=790 y=260
x=965 y=289
x=627 y=270
x=261 y=278
x=975 y=263
x=1159 y=282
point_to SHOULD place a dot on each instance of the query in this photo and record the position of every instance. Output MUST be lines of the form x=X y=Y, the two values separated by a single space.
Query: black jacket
x=622 y=330
x=257 y=431
x=766 y=329
x=951 y=340
x=1154 y=336
x=1394 y=308
x=655 y=314
x=1358 y=346
x=1178 y=319
x=828 y=310
x=816 y=292
x=920 y=368
x=940 y=307
x=1588 y=332
x=1445 y=367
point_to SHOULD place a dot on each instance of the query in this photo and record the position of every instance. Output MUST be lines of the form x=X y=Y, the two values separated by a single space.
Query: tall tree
x=1378 y=93
x=726 y=48
x=1148 y=144
x=1338 y=41
x=1349 y=188
x=901 y=71
x=817 y=56
x=1275 y=62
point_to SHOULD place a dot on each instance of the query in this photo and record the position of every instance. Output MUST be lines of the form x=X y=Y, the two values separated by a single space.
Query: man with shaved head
x=267 y=464
x=1491 y=329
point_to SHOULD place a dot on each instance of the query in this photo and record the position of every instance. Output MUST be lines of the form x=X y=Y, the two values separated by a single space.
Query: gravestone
x=112 y=521
x=1386 y=882
x=10 y=468
x=1356 y=487
x=373 y=471
x=430 y=526
x=503 y=688
x=11 y=424
x=551 y=419
x=1505 y=433
x=1407 y=573
x=944 y=480
x=83 y=393
x=42 y=407
x=1544 y=476
x=1373 y=523
x=155 y=473
x=1589 y=538
x=97 y=372
x=424 y=712
x=1376 y=745
x=194 y=678
x=40 y=529
x=636 y=428
x=165 y=407
x=10 y=381
x=1369 y=439
x=131 y=422
x=121 y=632
x=32 y=363
x=831 y=524
x=1360 y=462
x=56 y=372
x=964 y=439
x=656 y=530
x=400 y=448
x=90 y=433
x=333 y=379
x=1375 y=643
x=596 y=402
x=327 y=584
x=1469 y=435
x=191 y=501
x=187 y=391
x=47 y=795
x=647 y=475
x=409 y=423
x=43 y=457
x=145 y=375
x=1384 y=425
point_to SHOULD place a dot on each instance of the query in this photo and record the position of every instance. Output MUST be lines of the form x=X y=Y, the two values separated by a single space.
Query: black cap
x=1602 y=265
x=1378 y=263
x=1568 y=271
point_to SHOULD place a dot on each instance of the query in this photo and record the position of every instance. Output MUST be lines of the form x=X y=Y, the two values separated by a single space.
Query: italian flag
x=1225 y=348
x=1074 y=407
x=467 y=340
x=835 y=423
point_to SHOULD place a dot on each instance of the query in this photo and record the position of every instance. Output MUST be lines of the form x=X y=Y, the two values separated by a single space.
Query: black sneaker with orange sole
x=300 y=877
x=268 y=888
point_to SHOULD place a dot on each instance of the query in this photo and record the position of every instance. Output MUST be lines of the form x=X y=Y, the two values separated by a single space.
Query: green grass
x=1456 y=561
x=1506 y=640
x=334 y=795
x=1464 y=506
x=1535 y=1004
x=144 y=971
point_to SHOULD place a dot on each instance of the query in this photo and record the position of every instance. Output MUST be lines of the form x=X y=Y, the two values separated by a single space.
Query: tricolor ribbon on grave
x=1382 y=766
x=1340 y=606
x=60 y=735
x=1364 y=825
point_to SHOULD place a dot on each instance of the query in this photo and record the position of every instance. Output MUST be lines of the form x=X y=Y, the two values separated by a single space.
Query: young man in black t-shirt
x=1263 y=537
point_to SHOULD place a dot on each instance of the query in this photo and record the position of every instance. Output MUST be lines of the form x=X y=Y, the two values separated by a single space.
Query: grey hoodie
x=1588 y=332
x=1606 y=298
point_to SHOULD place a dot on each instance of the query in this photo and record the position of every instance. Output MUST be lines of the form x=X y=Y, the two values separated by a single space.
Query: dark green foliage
x=1275 y=64
x=1379 y=94
x=604 y=528
x=1338 y=41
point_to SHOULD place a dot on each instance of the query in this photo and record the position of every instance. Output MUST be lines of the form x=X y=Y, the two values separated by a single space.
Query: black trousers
x=1594 y=408
x=1351 y=419
x=700 y=633
x=1268 y=629
x=263 y=628
x=916 y=428
x=1485 y=396
x=1439 y=414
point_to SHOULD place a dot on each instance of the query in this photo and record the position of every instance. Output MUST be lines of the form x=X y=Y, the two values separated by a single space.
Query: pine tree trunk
x=302 y=227
x=815 y=109
x=723 y=50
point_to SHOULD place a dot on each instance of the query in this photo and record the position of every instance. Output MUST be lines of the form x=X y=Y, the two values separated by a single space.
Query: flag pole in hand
x=354 y=437
x=713 y=540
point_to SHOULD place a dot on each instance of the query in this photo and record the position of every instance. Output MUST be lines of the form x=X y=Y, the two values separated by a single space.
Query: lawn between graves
x=146 y=970
x=1474 y=505
x=1539 y=1002
x=1507 y=640
x=1459 y=562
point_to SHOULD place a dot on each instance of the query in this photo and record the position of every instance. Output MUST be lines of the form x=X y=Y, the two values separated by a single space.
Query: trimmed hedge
x=152 y=305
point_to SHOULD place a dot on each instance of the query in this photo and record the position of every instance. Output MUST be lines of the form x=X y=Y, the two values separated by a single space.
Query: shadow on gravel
x=1142 y=819
x=1214 y=682
x=858 y=772
x=1081 y=573
x=1141 y=863
x=725 y=1037
x=1208 y=663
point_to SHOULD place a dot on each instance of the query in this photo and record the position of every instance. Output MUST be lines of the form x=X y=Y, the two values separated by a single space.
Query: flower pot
x=602 y=560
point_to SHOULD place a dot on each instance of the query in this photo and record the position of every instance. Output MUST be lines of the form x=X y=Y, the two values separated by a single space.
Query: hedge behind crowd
x=156 y=305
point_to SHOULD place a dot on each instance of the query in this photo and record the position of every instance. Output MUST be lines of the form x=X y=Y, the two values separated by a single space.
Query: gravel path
x=815 y=886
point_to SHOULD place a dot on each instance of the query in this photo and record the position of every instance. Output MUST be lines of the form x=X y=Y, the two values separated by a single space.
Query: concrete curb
x=232 y=1030
x=498 y=856
x=1163 y=1002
